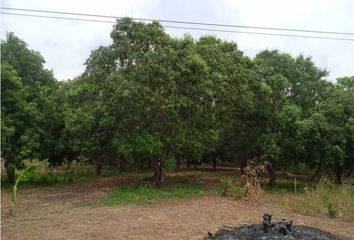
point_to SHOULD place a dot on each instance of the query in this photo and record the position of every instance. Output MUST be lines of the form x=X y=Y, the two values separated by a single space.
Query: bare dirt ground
x=57 y=213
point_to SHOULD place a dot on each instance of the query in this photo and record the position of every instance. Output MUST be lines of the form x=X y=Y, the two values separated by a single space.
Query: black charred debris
x=282 y=229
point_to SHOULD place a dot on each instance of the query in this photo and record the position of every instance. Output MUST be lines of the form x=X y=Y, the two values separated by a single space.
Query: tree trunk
x=122 y=163
x=215 y=160
x=98 y=168
x=339 y=172
x=10 y=172
x=339 y=178
x=242 y=166
x=178 y=163
x=271 y=173
x=272 y=179
x=317 y=172
x=159 y=175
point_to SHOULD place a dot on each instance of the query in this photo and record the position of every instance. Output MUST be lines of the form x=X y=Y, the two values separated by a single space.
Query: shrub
x=227 y=184
x=332 y=211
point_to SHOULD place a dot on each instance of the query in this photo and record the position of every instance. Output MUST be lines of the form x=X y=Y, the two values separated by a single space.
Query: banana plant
x=24 y=175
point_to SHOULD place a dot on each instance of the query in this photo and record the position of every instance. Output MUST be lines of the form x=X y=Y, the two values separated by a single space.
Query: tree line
x=149 y=99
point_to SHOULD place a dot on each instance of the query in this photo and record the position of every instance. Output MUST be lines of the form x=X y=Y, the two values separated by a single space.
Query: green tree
x=14 y=130
x=328 y=132
x=155 y=98
x=290 y=88
x=26 y=86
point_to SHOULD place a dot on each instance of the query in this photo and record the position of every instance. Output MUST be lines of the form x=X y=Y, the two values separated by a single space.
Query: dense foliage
x=149 y=99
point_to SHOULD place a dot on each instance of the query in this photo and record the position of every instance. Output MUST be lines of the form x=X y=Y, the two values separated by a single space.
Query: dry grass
x=253 y=188
x=324 y=200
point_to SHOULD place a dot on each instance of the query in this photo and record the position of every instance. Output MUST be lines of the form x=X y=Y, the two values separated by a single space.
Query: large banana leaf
x=24 y=175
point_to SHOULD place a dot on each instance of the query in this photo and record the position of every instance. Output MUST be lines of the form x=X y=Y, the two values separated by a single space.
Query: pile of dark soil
x=254 y=232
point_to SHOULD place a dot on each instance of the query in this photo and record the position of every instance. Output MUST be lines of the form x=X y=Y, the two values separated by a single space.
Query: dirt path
x=53 y=213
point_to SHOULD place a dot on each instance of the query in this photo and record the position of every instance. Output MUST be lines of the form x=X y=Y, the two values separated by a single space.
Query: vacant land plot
x=109 y=208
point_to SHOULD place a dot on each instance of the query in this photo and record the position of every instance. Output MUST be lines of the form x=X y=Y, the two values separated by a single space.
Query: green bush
x=49 y=177
x=235 y=190
x=300 y=169
x=227 y=184
x=331 y=209
x=170 y=163
x=239 y=191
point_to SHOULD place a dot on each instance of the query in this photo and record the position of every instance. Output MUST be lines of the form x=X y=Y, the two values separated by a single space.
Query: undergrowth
x=50 y=178
x=144 y=194
x=324 y=199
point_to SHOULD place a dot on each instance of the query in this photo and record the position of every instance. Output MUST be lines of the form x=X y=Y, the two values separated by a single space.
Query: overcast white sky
x=66 y=45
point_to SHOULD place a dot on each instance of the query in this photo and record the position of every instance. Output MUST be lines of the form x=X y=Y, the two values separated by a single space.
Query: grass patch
x=284 y=186
x=325 y=200
x=65 y=177
x=144 y=194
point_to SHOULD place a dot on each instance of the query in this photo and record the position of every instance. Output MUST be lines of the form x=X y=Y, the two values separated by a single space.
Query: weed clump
x=331 y=209
x=227 y=184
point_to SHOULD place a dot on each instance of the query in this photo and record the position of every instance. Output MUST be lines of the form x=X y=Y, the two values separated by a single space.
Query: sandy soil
x=57 y=213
